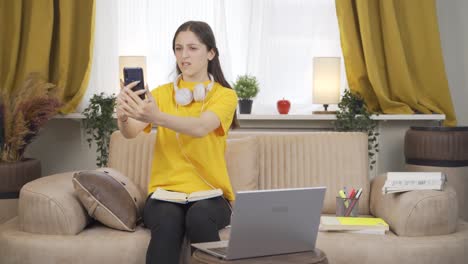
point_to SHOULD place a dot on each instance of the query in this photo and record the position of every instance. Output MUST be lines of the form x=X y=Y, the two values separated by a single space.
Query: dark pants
x=168 y=223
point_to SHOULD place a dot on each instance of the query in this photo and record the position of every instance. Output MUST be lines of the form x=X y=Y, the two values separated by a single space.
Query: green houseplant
x=23 y=112
x=352 y=115
x=246 y=87
x=99 y=125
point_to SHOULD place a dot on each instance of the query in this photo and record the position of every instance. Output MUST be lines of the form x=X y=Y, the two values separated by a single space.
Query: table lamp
x=132 y=61
x=326 y=85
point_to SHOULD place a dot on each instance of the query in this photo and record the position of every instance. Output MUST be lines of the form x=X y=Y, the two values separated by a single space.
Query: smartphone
x=135 y=74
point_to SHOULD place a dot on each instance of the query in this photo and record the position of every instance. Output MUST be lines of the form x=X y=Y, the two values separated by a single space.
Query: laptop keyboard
x=220 y=250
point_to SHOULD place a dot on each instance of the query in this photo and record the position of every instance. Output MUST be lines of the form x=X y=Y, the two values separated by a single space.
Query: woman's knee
x=208 y=212
x=198 y=216
x=201 y=223
x=164 y=215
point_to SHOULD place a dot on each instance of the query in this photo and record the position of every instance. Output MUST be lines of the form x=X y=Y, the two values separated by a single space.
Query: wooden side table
x=310 y=257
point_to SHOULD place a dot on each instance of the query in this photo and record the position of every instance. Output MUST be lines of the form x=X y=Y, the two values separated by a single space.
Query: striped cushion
x=48 y=205
x=110 y=197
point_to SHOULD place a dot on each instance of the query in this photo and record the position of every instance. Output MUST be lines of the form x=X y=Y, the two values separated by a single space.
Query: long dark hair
x=205 y=35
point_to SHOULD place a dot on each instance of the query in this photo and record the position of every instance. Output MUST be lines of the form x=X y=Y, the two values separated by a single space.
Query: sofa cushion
x=307 y=159
x=109 y=197
x=48 y=205
x=342 y=247
x=242 y=163
x=96 y=244
x=416 y=213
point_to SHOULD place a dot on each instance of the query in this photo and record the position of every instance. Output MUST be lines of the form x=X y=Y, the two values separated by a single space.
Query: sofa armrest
x=415 y=213
x=49 y=205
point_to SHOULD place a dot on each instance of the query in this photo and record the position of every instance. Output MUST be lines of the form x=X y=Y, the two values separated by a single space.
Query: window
x=275 y=40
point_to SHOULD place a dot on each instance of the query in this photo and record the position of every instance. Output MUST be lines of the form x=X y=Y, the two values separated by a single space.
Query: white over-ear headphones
x=183 y=96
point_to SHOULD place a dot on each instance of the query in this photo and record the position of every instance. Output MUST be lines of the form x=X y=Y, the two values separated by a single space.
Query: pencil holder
x=347 y=207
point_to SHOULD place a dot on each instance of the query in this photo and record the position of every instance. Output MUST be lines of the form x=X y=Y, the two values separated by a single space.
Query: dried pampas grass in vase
x=23 y=112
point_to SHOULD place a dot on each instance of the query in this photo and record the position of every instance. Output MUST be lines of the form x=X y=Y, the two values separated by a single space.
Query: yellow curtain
x=52 y=37
x=393 y=56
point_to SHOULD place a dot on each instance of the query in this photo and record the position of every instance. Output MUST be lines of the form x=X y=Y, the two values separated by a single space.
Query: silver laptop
x=270 y=222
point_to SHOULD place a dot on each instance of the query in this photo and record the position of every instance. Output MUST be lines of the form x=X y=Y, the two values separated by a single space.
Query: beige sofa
x=52 y=226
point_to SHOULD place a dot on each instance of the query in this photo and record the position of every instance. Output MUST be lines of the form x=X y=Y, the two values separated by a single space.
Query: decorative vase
x=245 y=106
x=441 y=149
x=13 y=175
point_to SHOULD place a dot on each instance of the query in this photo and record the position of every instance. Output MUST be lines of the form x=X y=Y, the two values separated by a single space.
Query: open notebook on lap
x=270 y=222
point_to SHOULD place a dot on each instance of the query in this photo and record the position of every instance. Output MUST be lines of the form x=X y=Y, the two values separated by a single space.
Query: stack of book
x=360 y=225
x=410 y=181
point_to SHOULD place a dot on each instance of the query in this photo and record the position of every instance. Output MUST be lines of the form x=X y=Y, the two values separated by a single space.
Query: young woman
x=193 y=115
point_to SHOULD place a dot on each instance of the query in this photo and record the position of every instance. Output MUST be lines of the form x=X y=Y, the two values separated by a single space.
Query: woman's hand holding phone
x=121 y=116
x=129 y=104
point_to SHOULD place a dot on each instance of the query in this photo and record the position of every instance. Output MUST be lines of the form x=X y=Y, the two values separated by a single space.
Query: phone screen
x=135 y=74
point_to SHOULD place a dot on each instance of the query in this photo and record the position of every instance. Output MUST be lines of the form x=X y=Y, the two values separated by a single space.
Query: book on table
x=359 y=225
x=365 y=231
x=409 y=181
x=183 y=198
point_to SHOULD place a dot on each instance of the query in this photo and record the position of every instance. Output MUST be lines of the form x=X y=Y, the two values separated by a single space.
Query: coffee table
x=310 y=257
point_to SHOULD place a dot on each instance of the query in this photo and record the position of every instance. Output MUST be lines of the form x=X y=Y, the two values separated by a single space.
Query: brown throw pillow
x=109 y=197
x=242 y=163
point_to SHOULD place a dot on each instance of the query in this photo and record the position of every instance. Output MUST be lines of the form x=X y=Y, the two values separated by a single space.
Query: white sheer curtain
x=275 y=40
x=283 y=38
x=147 y=27
x=104 y=75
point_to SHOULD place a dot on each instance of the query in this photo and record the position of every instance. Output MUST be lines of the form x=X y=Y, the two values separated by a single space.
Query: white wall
x=453 y=27
x=62 y=146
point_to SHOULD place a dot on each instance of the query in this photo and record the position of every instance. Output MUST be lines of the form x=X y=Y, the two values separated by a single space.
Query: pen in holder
x=347 y=206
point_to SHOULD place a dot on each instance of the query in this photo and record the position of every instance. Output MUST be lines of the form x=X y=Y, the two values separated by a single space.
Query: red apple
x=283 y=106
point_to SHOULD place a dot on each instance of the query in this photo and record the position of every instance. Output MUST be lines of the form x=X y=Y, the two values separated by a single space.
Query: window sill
x=311 y=121
x=435 y=117
x=323 y=121
x=72 y=116
x=384 y=117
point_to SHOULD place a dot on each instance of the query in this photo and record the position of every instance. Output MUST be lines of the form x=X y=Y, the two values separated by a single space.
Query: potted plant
x=23 y=112
x=246 y=87
x=99 y=125
x=352 y=115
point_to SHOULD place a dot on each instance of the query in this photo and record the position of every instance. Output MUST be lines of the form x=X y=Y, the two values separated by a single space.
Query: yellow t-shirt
x=170 y=168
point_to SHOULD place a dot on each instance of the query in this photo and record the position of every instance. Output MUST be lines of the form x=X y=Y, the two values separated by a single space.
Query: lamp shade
x=132 y=61
x=326 y=89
